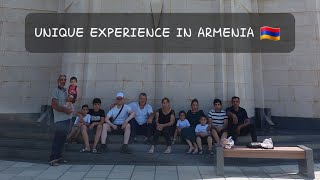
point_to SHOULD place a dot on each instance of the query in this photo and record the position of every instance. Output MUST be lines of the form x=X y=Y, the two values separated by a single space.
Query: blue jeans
x=60 y=136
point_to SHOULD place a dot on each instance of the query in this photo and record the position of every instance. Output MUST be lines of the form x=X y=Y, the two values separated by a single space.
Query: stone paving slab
x=30 y=171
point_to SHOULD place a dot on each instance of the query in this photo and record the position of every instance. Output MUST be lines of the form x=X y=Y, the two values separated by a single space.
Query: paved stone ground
x=24 y=171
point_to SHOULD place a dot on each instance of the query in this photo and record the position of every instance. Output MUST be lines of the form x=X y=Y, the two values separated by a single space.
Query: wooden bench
x=303 y=154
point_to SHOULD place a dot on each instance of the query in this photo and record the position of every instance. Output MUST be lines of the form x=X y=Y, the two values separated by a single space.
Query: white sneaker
x=151 y=150
x=267 y=143
x=168 y=150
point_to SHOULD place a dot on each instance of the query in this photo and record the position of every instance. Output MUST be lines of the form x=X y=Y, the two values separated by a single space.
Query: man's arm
x=132 y=114
x=107 y=120
x=101 y=120
x=150 y=118
x=55 y=106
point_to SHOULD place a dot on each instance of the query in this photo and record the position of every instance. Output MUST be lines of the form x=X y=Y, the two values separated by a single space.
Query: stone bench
x=303 y=154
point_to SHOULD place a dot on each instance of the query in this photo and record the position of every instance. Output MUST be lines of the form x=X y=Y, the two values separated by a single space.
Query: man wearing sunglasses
x=61 y=121
x=239 y=121
x=118 y=118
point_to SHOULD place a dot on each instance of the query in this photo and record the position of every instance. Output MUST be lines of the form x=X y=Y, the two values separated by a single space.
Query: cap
x=120 y=94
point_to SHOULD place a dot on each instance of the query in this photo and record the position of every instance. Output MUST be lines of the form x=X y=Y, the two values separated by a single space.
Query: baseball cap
x=120 y=94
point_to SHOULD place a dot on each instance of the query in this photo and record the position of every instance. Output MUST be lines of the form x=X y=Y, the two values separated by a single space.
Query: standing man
x=118 y=118
x=61 y=120
x=143 y=118
x=239 y=122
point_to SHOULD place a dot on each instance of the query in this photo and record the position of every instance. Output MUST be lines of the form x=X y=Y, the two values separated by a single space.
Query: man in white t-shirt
x=143 y=118
x=120 y=115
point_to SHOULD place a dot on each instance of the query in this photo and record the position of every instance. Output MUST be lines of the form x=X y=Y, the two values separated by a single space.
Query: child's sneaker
x=200 y=151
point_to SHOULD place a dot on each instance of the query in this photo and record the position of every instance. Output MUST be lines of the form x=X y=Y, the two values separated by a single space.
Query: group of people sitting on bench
x=194 y=126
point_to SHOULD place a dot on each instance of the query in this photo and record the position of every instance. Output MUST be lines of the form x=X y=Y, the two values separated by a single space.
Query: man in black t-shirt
x=96 y=122
x=239 y=121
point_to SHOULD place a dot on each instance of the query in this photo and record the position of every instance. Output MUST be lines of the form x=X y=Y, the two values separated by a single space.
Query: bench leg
x=219 y=161
x=306 y=166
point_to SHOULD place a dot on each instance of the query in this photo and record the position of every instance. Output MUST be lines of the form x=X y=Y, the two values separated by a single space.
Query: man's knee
x=84 y=128
x=105 y=125
x=128 y=126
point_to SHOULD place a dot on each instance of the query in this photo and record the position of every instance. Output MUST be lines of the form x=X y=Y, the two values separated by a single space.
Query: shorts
x=221 y=132
x=119 y=131
x=92 y=132
x=209 y=135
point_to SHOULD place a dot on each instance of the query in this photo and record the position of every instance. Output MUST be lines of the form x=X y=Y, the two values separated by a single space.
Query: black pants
x=60 y=136
x=145 y=129
x=166 y=132
x=244 y=131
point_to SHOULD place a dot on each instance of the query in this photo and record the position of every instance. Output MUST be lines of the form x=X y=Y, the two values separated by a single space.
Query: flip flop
x=84 y=151
x=54 y=163
x=62 y=161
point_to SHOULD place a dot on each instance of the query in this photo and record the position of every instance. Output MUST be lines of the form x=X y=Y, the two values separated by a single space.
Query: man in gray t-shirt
x=61 y=120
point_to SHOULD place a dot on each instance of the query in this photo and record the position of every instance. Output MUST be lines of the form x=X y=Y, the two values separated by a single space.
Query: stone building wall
x=287 y=83
x=25 y=79
x=291 y=81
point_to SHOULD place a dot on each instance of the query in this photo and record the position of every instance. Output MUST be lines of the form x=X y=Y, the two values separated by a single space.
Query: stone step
x=137 y=158
x=140 y=147
x=36 y=135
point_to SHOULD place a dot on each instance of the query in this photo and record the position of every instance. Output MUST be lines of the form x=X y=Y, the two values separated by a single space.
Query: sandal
x=84 y=151
x=62 y=161
x=94 y=150
x=195 y=151
x=54 y=163
x=190 y=151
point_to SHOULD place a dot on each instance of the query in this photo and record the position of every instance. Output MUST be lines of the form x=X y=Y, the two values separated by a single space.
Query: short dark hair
x=235 y=97
x=203 y=116
x=85 y=105
x=62 y=75
x=217 y=101
x=96 y=100
x=182 y=112
x=143 y=94
x=73 y=78
x=165 y=99
x=194 y=100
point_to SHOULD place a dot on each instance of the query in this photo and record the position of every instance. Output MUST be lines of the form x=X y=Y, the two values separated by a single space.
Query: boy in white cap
x=118 y=118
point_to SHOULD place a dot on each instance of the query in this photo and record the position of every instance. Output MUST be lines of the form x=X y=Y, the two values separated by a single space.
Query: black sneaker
x=125 y=149
x=104 y=148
